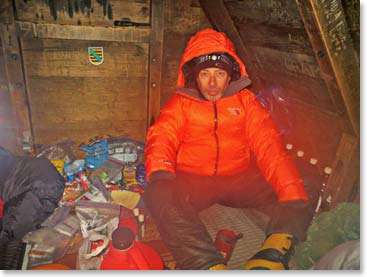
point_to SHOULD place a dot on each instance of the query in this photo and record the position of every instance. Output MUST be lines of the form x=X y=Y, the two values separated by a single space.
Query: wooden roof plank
x=220 y=18
x=334 y=32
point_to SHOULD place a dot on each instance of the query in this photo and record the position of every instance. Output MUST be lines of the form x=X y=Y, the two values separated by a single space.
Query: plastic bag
x=59 y=215
x=59 y=151
x=97 y=153
x=100 y=178
x=275 y=101
x=52 y=242
x=326 y=231
x=126 y=150
x=109 y=170
x=71 y=170
x=73 y=190
x=97 y=221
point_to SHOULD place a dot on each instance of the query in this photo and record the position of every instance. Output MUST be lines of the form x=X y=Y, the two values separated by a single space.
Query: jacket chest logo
x=234 y=111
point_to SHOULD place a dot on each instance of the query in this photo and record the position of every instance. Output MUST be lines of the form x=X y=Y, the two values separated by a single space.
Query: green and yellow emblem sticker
x=95 y=55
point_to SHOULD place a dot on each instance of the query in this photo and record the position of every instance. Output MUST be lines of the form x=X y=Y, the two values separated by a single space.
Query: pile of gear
x=98 y=211
x=111 y=165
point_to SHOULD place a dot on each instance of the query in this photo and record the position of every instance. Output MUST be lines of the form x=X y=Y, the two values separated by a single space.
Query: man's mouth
x=213 y=91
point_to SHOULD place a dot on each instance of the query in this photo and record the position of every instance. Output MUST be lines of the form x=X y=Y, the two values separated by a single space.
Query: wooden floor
x=215 y=218
x=238 y=220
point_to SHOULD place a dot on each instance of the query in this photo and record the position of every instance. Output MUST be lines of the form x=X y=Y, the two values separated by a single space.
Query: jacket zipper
x=216 y=137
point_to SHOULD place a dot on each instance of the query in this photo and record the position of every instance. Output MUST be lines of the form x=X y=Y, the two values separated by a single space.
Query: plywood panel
x=53 y=57
x=129 y=128
x=71 y=98
x=83 y=12
x=46 y=30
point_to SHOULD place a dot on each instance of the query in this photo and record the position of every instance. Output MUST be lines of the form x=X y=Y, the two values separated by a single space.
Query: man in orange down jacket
x=213 y=142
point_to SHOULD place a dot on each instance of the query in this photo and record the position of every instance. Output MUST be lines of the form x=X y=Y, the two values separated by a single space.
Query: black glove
x=160 y=189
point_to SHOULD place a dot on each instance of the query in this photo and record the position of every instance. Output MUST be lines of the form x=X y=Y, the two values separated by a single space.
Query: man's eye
x=204 y=74
x=221 y=74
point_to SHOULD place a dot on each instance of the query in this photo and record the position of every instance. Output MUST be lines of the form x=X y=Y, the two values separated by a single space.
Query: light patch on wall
x=95 y=55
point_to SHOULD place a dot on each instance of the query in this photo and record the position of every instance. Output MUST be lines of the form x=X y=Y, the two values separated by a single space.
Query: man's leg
x=251 y=190
x=179 y=224
x=295 y=219
x=288 y=224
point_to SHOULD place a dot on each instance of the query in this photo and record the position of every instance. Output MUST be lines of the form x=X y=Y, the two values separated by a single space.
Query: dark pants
x=186 y=236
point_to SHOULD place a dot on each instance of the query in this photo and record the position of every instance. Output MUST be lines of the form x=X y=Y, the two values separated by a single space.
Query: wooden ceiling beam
x=221 y=20
x=329 y=35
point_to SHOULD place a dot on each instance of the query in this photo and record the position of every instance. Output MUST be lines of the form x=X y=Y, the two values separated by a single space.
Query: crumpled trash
x=345 y=256
x=51 y=242
x=60 y=151
x=97 y=222
x=328 y=230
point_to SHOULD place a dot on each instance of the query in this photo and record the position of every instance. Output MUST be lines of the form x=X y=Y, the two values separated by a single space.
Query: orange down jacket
x=198 y=136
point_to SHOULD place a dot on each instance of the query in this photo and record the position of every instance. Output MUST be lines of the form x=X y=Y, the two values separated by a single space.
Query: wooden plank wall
x=17 y=91
x=274 y=34
x=272 y=31
x=69 y=97
x=8 y=130
x=352 y=14
x=83 y=12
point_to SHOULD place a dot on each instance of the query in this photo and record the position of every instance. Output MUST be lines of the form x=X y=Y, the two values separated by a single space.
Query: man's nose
x=212 y=80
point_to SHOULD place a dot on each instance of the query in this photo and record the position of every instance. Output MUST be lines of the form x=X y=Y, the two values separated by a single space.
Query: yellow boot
x=274 y=254
x=218 y=267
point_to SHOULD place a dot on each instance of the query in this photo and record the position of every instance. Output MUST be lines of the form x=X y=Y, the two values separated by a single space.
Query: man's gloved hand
x=160 y=189
x=296 y=204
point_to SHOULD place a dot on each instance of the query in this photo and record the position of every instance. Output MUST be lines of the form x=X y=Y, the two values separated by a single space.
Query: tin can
x=225 y=241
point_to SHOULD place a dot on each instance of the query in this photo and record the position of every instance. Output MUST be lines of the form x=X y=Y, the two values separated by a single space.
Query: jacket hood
x=205 y=42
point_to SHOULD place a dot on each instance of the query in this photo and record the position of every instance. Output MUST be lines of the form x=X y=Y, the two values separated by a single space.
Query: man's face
x=212 y=82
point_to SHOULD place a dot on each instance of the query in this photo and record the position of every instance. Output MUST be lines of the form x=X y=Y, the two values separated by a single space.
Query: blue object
x=71 y=170
x=141 y=175
x=274 y=100
x=97 y=154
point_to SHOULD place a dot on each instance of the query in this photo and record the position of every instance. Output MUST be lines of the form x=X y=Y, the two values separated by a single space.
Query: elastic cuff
x=291 y=193
x=296 y=204
x=161 y=175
